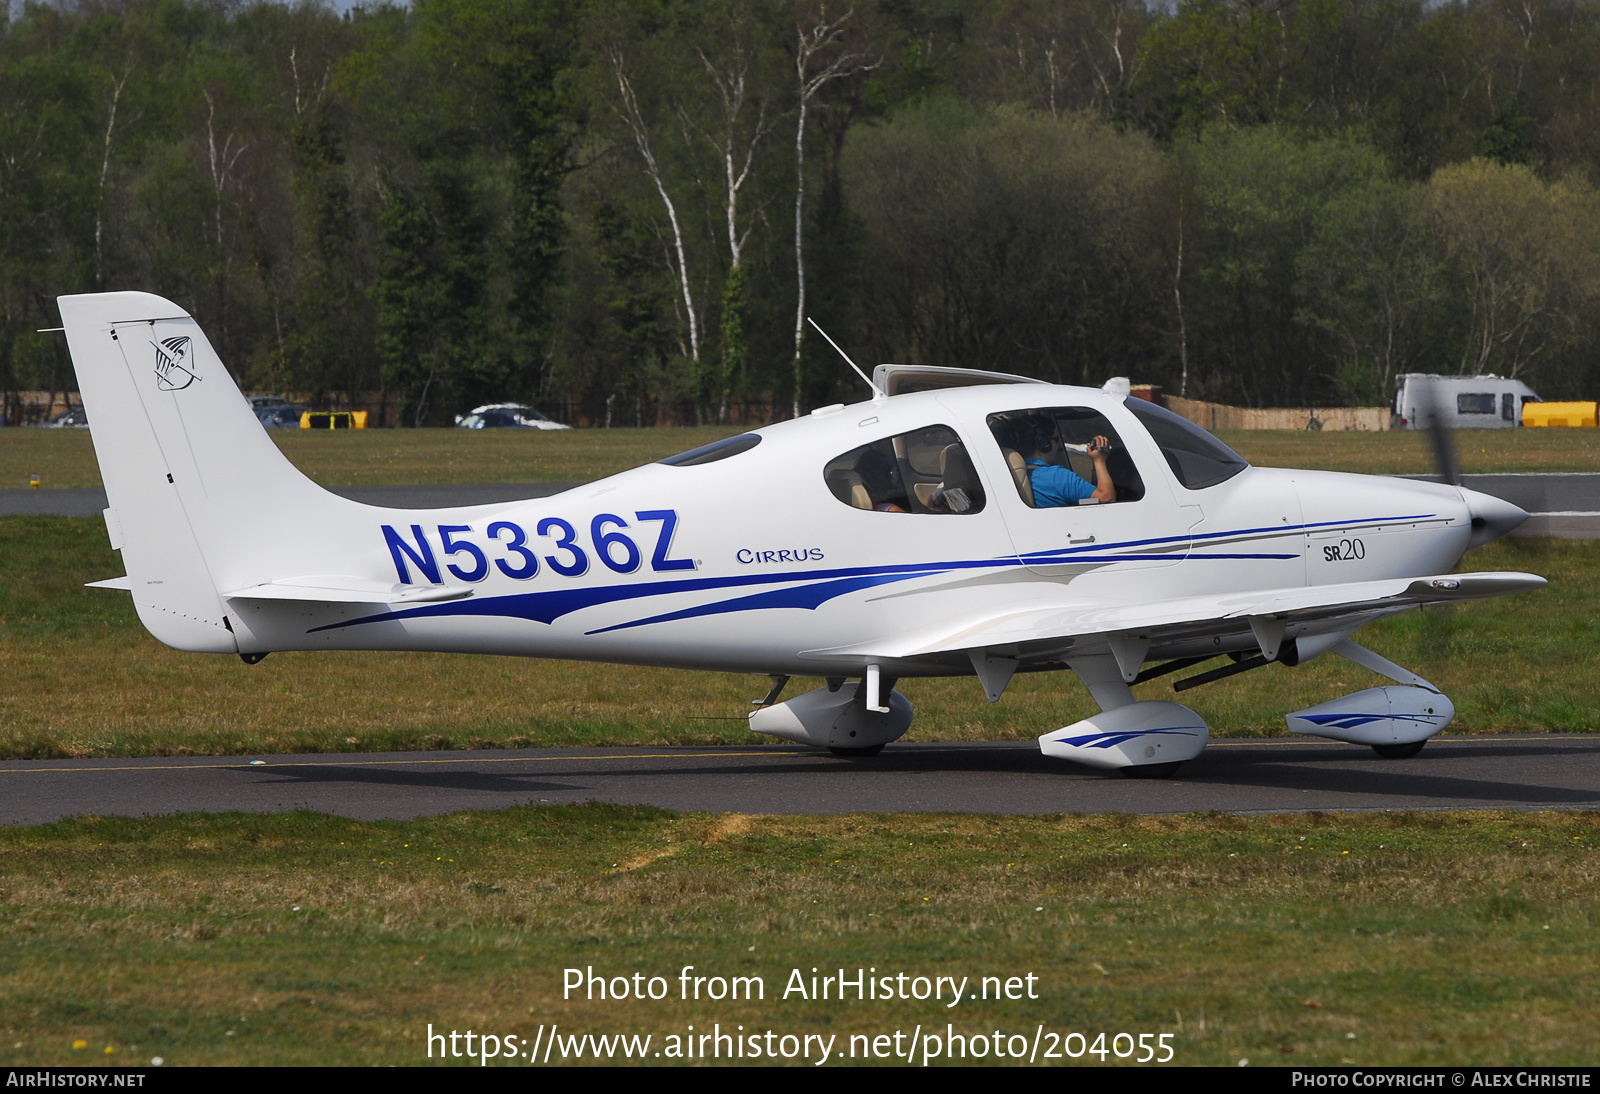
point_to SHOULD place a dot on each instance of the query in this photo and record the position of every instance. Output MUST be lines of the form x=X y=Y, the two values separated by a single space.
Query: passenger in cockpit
x=1052 y=478
x=882 y=478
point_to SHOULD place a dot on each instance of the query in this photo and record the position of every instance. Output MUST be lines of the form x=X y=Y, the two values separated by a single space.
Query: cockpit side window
x=1196 y=457
x=1048 y=450
x=924 y=471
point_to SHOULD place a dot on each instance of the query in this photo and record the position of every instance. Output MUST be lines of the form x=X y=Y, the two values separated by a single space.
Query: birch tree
x=222 y=162
x=117 y=84
x=628 y=110
x=736 y=141
x=813 y=37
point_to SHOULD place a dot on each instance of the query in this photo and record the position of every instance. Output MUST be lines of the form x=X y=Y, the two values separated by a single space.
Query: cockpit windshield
x=1196 y=457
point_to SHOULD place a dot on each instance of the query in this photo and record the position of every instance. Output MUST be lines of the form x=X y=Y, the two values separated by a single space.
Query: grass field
x=65 y=458
x=380 y=457
x=85 y=679
x=301 y=939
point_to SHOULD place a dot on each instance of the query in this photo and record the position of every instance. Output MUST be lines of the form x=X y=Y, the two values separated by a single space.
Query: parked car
x=265 y=402
x=506 y=416
x=75 y=418
x=283 y=416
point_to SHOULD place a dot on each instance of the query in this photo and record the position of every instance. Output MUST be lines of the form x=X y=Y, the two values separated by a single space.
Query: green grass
x=65 y=458
x=1481 y=451
x=380 y=457
x=1380 y=939
x=307 y=939
x=83 y=678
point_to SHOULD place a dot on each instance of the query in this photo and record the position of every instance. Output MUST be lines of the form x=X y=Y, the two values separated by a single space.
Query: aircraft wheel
x=857 y=753
x=1399 y=752
x=1150 y=771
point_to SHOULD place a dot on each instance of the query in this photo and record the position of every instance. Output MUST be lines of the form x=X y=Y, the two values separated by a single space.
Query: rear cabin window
x=716 y=450
x=924 y=471
x=1032 y=440
x=1475 y=402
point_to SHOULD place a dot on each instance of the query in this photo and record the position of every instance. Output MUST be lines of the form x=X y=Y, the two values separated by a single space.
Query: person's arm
x=1105 y=491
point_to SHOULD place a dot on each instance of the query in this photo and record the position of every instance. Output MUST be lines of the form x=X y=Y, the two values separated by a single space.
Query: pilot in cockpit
x=1051 y=476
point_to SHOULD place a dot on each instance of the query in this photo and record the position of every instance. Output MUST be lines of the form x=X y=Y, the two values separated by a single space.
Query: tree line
x=629 y=211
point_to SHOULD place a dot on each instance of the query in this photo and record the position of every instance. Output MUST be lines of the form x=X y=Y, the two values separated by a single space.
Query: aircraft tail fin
x=201 y=500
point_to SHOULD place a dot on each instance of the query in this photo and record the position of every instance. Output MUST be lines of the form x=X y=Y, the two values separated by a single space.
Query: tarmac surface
x=1290 y=775
x=1561 y=504
x=1565 y=505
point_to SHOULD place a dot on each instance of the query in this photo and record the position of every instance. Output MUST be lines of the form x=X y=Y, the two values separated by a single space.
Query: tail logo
x=172 y=370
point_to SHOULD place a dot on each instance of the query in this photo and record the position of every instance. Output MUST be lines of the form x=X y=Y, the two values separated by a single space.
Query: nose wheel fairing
x=1386 y=716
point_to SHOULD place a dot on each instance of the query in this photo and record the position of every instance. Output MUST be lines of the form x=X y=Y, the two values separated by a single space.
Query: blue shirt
x=1053 y=486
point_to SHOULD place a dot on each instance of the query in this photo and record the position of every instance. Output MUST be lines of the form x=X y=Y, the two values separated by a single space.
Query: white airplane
x=864 y=544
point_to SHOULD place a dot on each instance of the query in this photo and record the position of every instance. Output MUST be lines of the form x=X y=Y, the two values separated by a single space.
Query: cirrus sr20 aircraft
x=862 y=544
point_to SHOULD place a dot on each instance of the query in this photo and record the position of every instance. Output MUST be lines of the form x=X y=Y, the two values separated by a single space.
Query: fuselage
x=768 y=558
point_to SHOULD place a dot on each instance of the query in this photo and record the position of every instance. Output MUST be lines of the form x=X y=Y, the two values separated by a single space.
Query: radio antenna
x=877 y=395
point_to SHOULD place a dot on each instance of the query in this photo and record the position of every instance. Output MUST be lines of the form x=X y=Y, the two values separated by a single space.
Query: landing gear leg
x=885 y=687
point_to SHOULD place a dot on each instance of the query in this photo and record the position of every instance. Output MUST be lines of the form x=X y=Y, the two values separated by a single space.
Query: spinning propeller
x=1491 y=516
x=1442 y=437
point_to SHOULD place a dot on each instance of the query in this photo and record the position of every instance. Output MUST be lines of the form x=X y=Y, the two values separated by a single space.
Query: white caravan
x=1462 y=402
x=897 y=537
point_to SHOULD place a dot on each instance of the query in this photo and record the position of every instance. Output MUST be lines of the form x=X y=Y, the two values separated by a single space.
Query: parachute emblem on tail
x=171 y=372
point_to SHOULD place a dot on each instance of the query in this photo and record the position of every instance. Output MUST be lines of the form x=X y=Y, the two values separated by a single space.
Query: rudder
x=196 y=488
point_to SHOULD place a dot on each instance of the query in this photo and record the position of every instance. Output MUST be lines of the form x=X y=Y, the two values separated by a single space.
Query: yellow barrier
x=335 y=419
x=1558 y=414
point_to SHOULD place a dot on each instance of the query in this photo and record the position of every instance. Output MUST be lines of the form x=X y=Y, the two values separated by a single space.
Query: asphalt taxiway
x=1291 y=775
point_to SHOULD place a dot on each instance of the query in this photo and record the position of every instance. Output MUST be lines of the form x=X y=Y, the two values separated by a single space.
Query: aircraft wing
x=1077 y=619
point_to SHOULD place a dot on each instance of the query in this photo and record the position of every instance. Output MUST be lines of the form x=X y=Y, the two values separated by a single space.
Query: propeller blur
x=960 y=523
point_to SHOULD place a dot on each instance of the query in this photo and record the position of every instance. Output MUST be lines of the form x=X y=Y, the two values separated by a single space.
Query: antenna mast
x=877 y=394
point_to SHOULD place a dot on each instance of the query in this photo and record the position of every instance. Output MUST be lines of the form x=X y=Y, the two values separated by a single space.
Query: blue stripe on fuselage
x=819 y=586
x=547 y=607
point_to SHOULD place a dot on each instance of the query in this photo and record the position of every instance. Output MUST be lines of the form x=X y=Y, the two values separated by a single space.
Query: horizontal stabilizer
x=124 y=583
x=336 y=590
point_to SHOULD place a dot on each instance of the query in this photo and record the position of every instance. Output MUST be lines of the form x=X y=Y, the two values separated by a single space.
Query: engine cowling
x=1136 y=735
x=834 y=719
x=1378 y=716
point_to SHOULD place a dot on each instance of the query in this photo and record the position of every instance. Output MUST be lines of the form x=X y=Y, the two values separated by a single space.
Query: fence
x=33 y=407
x=1337 y=419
